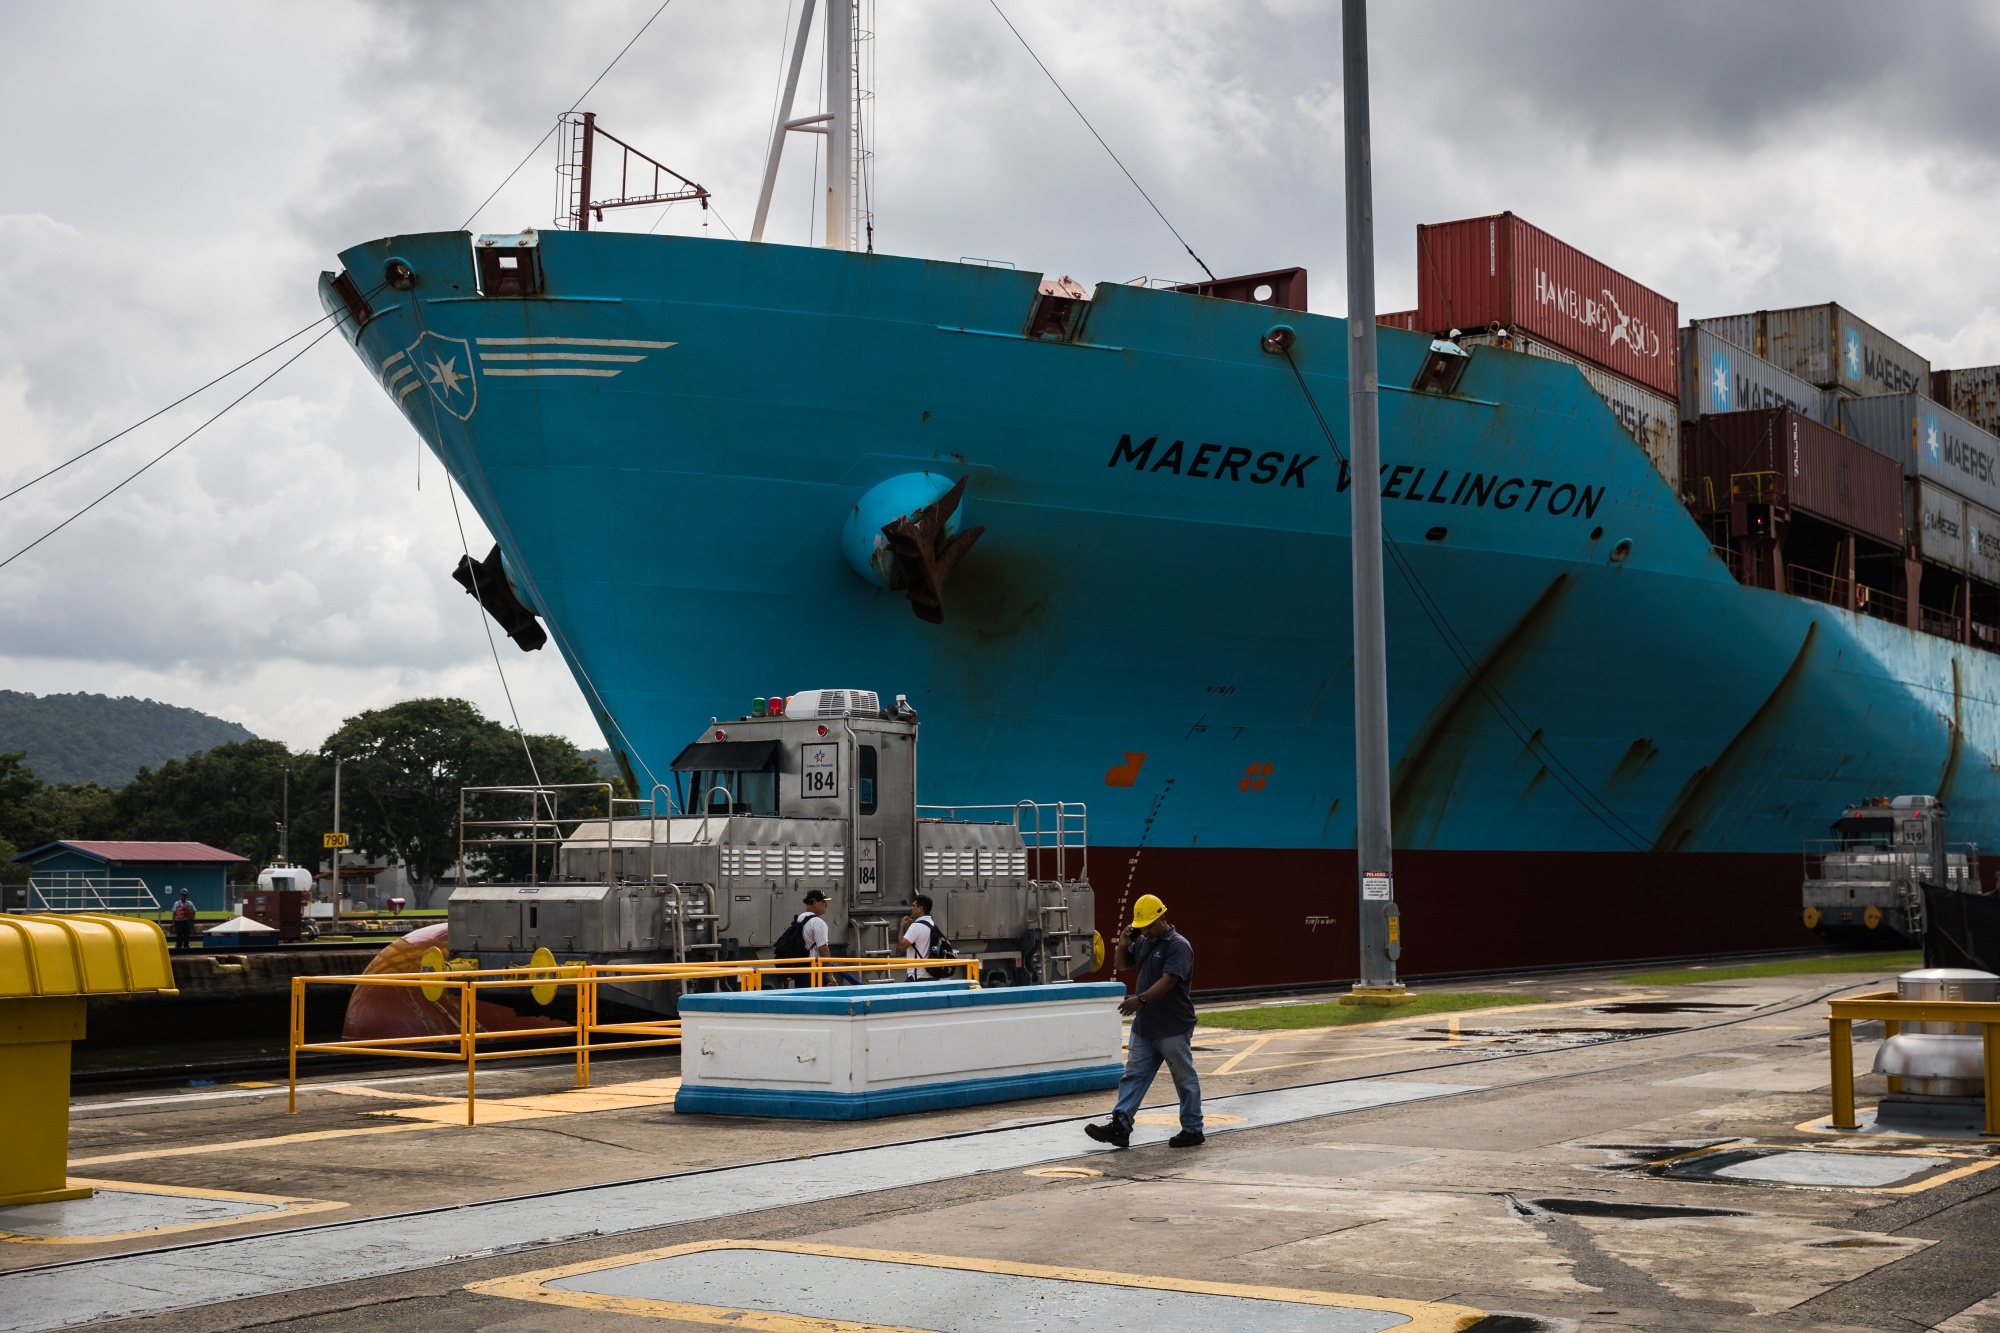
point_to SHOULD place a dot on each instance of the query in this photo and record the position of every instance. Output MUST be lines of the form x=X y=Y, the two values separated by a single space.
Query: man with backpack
x=806 y=936
x=921 y=938
x=1162 y=1028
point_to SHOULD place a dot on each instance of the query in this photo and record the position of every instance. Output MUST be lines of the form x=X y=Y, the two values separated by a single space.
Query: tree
x=230 y=797
x=403 y=767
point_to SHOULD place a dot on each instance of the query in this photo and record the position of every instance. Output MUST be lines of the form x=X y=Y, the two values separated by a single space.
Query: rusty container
x=1814 y=469
x=1397 y=319
x=1827 y=345
x=1481 y=272
x=1974 y=394
x=283 y=910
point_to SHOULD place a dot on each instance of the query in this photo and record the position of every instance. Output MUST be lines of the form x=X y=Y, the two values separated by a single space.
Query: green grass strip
x=1278 y=1017
x=1860 y=962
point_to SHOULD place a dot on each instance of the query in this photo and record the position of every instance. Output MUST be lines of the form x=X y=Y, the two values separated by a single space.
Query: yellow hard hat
x=1146 y=911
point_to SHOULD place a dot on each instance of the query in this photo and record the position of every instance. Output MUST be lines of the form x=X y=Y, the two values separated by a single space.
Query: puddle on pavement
x=1641 y=1212
x=1549 y=1037
x=1666 y=1007
x=1640 y=1154
x=1857 y=1243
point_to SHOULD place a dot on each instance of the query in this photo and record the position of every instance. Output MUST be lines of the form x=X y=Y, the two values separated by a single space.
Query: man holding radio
x=1162 y=1010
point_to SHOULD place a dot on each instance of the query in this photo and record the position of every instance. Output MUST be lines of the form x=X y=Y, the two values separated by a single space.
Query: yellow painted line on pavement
x=640 y=1093
x=233 y=1145
x=283 y=1205
x=1422 y=1316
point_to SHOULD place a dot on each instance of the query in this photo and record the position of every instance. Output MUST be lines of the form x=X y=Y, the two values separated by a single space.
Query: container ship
x=1662 y=602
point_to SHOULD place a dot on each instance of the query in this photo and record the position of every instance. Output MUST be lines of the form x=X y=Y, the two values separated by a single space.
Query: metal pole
x=333 y=926
x=783 y=126
x=1379 y=949
x=285 y=828
x=840 y=130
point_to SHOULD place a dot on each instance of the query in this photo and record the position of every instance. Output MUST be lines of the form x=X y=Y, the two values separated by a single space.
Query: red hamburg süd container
x=1812 y=468
x=1480 y=272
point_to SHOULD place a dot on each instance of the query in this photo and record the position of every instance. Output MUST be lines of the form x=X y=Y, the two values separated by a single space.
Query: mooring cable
x=1468 y=661
x=1100 y=138
x=191 y=393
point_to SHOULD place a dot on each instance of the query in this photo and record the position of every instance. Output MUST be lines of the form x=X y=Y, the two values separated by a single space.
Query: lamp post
x=1381 y=942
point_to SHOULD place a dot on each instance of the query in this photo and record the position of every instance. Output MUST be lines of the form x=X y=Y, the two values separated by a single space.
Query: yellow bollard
x=49 y=965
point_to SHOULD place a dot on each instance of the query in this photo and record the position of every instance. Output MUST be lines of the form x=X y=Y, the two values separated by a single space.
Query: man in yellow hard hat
x=1162 y=1024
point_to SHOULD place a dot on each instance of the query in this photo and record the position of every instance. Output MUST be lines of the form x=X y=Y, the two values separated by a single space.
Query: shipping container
x=1398 y=319
x=1499 y=272
x=1719 y=376
x=1929 y=440
x=1973 y=394
x=1937 y=524
x=1827 y=346
x=1812 y=468
x=1653 y=422
x=1982 y=543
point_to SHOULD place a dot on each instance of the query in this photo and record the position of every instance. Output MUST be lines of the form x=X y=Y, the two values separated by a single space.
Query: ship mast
x=849 y=213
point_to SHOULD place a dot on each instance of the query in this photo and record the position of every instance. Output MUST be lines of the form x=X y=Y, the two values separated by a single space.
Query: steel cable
x=1468 y=660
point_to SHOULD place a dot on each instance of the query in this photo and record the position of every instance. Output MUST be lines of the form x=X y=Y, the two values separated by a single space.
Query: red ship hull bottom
x=1261 y=917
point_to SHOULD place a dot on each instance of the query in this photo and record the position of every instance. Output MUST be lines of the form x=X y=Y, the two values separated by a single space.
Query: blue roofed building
x=81 y=875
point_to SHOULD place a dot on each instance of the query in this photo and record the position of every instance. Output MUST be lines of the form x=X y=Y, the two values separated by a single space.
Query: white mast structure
x=850 y=217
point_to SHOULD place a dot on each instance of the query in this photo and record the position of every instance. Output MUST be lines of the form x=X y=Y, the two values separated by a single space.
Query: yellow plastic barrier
x=1842 y=1015
x=456 y=984
x=49 y=966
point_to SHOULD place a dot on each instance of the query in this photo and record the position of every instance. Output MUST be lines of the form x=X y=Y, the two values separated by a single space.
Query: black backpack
x=792 y=944
x=940 y=948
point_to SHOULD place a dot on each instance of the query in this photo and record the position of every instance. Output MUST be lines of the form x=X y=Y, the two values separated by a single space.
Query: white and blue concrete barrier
x=857 y=1052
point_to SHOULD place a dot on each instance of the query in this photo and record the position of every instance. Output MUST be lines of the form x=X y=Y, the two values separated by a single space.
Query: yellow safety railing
x=575 y=1039
x=1893 y=1013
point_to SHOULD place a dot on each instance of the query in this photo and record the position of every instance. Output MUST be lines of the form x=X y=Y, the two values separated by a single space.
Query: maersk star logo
x=445 y=366
x=1720 y=382
x=1853 y=341
x=1932 y=445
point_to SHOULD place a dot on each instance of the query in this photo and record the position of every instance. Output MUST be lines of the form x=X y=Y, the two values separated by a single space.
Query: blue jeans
x=1143 y=1059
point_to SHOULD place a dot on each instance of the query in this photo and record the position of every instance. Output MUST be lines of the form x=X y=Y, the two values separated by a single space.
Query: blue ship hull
x=1604 y=747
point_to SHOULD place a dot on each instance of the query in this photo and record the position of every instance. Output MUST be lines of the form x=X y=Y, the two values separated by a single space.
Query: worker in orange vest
x=184 y=922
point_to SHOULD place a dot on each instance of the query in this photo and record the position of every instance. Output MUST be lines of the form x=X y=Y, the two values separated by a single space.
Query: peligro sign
x=1606 y=316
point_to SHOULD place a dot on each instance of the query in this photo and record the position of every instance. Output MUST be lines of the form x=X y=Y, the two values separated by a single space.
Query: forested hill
x=95 y=738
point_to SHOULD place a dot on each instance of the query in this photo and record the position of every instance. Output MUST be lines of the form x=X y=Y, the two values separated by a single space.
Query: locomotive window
x=1870 y=831
x=736 y=793
x=864 y=775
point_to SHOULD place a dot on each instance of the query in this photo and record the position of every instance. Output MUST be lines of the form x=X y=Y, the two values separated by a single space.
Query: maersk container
x=1813 y=468
x=1973 y=394
x=1482 y=273
x=1930 y=440
x=1719 y=376
x=1982 y=543
x=1653 y=422
x=1937 y=524
x=1828 y=346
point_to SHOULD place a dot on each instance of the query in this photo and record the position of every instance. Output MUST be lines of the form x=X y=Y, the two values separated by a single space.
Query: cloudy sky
x=178 y=175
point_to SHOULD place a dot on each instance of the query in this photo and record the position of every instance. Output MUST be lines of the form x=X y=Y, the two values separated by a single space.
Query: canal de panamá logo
x=445 y=364
x=1932 y=444
x=1853 y=342
x=1720 y=381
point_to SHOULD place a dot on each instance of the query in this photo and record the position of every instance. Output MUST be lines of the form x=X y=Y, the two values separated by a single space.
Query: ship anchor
x=923 y=555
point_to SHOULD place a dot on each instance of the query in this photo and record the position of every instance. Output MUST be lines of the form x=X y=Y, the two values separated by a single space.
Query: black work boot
x=1188 y=1138
x=1117 y=1133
